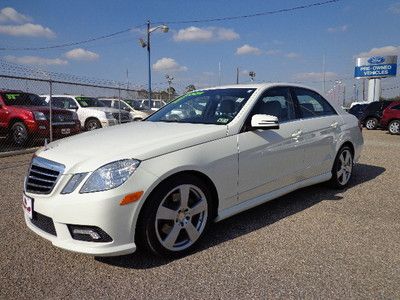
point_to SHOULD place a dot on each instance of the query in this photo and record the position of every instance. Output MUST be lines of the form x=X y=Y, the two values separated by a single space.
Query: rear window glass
x=23 y=99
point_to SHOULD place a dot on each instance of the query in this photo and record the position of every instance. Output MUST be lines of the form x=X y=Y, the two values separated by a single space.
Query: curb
x=18 y=152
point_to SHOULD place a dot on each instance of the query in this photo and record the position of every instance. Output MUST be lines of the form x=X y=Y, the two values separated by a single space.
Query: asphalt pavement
x=313 y=243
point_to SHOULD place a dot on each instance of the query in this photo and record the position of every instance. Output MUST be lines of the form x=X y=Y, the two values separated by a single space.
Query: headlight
x=110 y=176
x=39 y=116
x=109 y=115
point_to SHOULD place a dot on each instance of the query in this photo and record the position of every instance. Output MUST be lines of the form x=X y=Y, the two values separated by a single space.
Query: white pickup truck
x=92 y=113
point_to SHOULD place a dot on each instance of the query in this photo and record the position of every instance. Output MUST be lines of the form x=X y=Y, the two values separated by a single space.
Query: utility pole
x=324 y=74
x=237 y=75
x=363 y=99
x=169 y=80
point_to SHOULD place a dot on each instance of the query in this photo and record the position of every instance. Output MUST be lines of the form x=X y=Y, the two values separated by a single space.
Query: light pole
x=169 y=79
x=252 y=74
x=164 y=28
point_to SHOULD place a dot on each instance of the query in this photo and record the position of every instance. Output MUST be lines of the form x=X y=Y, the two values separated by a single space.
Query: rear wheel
x=394 y=127
x=92 y=124
x=371 y=123
x=175 y=216
x=342 y=168
x=19 y=134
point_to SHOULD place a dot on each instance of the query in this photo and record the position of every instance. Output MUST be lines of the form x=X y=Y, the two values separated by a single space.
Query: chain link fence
x=35 y=111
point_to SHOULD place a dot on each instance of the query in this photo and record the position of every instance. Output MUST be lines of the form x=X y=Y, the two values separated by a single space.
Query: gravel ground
x=312 y=243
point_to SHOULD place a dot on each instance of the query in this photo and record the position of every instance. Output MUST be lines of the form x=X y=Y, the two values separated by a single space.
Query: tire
x=170 y=227
x=92 y=124
x=394 y=127
x=371 y=123
x=342 y=169
x=19 y=134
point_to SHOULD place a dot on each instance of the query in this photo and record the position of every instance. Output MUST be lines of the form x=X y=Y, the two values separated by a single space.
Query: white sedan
x=157 y=184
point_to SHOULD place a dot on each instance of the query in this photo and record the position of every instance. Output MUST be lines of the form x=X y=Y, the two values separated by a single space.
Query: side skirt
x=228 y=212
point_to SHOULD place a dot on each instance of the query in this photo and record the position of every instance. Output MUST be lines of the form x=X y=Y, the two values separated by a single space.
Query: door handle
x=297 y=134
x=334 y=125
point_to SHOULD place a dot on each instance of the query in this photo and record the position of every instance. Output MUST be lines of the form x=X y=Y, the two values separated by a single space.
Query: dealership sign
x=376 y=67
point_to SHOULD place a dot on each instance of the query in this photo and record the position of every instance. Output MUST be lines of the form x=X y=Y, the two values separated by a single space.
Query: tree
x=190 y=88
x=171 y=93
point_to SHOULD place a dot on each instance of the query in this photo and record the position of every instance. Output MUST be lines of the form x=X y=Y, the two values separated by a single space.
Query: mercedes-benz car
x=159 y=183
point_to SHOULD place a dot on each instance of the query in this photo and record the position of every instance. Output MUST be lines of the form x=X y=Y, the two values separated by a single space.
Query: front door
x=270 y=159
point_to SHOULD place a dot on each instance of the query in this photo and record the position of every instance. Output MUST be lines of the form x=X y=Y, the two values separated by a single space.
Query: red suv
x=24 y=116
x=391 y=118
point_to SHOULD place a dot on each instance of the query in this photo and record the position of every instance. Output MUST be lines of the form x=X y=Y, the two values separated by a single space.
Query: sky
x=287 y=46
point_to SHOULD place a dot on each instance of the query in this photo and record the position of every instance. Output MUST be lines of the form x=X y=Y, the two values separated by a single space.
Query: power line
x=265 y=13
x=208 y=20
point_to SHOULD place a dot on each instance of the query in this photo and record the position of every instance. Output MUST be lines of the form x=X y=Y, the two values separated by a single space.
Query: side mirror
x=264 y=122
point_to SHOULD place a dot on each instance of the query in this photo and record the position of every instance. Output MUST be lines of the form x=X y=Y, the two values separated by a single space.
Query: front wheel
x=19 y=134
x=394 y=127
x=371 y=123
x=92 y=124
x=342 y=168
x=175 y=216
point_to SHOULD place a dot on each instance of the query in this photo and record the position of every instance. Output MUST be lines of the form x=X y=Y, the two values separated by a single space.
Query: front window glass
x=218 y=106
x=89 y=102
x=23 y=99
x=276 y=102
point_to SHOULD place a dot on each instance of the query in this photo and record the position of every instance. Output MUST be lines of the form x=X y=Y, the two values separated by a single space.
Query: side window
x=312 y=104
x=276 y=102
x=57 y=102
x=397 y=107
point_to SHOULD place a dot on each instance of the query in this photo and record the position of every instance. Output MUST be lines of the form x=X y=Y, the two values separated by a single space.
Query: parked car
x=136 y=115
x=373 y=114
x=24 y=116
x=155 y=104
x=358 y=110
x=391 y=118
x=92 y=113
x=157 y=184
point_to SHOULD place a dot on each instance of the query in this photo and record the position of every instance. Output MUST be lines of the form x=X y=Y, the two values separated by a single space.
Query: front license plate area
x=65 y=130
x=27 y=204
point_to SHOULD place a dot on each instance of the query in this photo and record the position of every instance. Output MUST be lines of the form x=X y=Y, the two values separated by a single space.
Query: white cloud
x=342 y=28
x=81 y=54
x=273 y=52
x=395 y=8
x=9 y=14
x=315 y=76
x=35 y=60
x=168 y=64
x=387 y=50
x=292 y=55
x=247 y=49
x=28 y=29
x=196 y=34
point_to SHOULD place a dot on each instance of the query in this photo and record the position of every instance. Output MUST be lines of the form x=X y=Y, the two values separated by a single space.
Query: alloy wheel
x=181 y=217
x=394 y=127
x=19 y=135
x=371 y=124
x=345 y=167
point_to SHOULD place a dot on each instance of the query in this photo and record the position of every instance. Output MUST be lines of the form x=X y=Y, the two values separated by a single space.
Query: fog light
x=93 y=234
x=88 y=233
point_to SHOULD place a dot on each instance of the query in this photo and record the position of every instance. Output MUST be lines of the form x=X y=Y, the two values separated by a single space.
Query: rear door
x=320 y=129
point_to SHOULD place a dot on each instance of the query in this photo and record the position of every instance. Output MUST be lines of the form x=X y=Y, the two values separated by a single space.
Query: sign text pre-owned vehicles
x=157 y=184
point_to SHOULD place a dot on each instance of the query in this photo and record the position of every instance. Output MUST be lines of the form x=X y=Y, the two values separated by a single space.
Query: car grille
x=42 y=176
x=125 y=117
x=44 y=223
x=62 y=118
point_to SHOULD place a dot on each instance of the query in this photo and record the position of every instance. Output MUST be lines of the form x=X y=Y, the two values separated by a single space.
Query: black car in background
x=358 y=110
x=373 y=113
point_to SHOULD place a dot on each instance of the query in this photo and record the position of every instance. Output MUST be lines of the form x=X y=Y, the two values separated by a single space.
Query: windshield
x=205 y=107
x=89 y=102
x=23 y=99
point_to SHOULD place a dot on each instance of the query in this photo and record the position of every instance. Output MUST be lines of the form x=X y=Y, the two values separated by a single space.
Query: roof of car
x=258 y=85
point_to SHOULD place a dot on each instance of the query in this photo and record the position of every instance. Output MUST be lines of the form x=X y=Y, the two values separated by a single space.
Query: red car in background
x=391 y=118
x=24 y=116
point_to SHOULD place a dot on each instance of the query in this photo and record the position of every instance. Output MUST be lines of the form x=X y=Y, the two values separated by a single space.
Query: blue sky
x=281 y=47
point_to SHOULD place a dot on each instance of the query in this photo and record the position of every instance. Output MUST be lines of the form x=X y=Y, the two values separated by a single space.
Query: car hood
x=139 y=140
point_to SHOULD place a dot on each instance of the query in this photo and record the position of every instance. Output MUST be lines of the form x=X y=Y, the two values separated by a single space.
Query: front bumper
x=108 y=122
x=99 y=209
